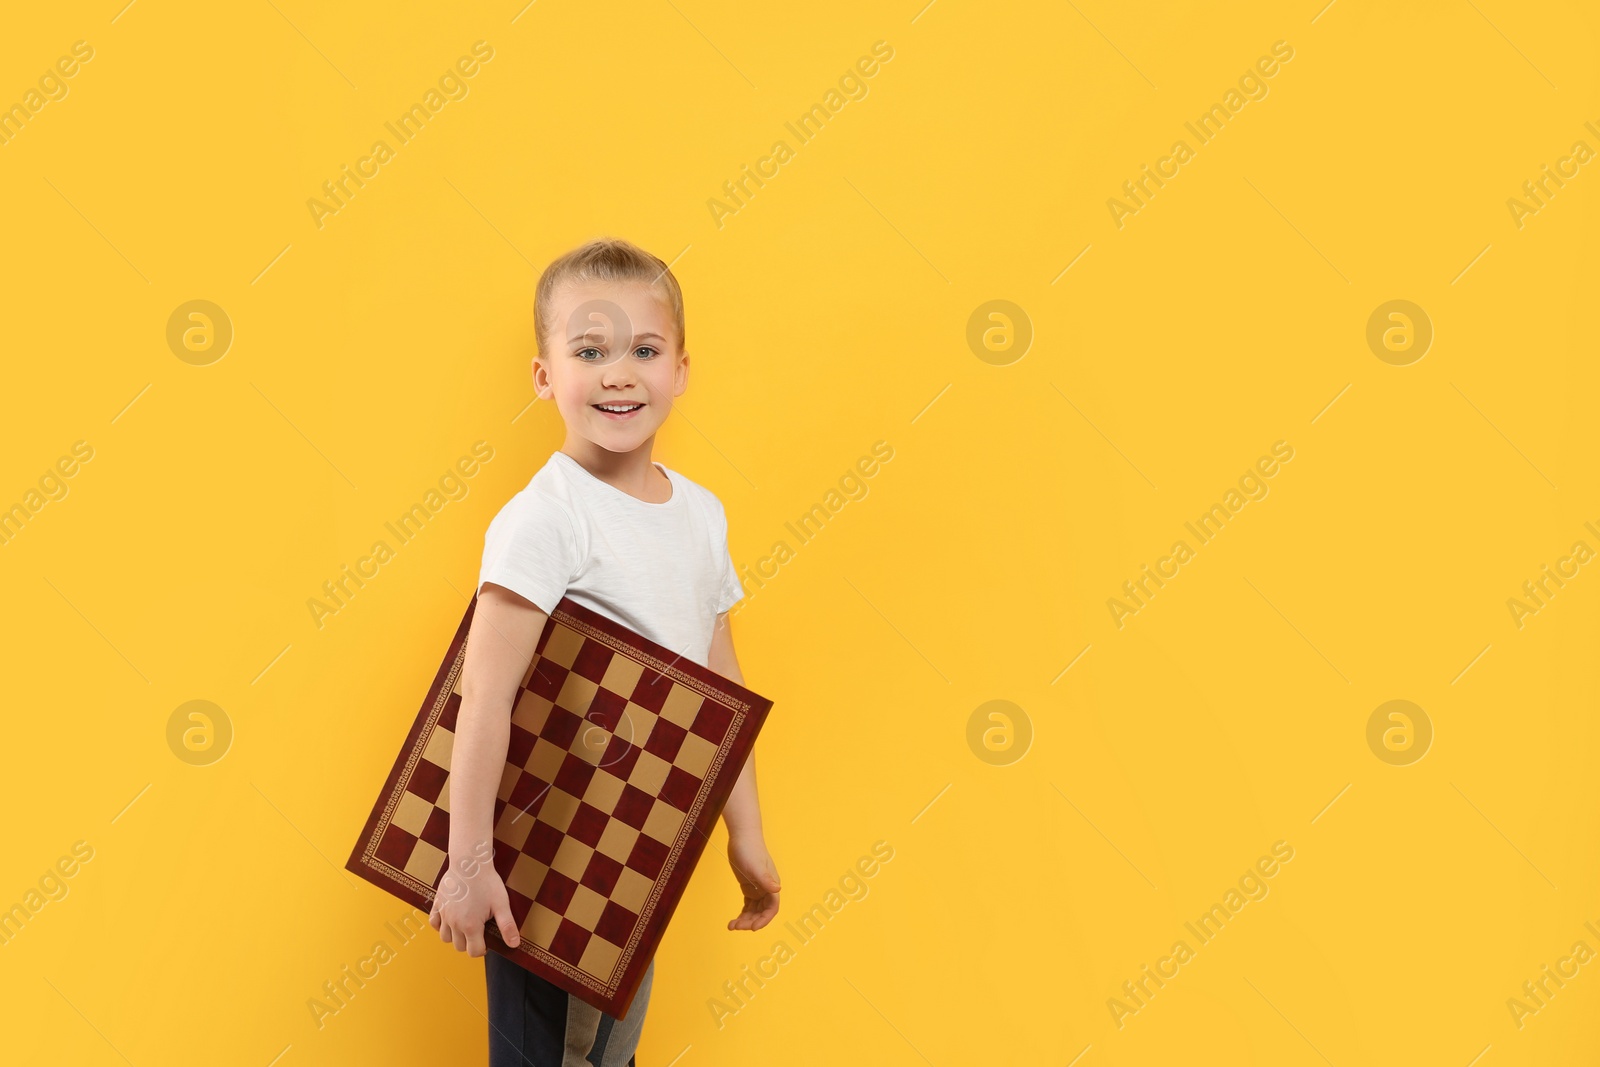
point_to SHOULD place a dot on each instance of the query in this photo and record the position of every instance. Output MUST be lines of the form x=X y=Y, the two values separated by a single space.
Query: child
x=620 y=534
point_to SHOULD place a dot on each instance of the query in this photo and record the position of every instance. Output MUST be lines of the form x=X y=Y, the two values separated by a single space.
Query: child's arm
x=500 y=643
x=747 y=848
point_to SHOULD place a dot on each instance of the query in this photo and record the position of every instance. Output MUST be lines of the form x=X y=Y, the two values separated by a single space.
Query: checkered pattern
x=607 y=792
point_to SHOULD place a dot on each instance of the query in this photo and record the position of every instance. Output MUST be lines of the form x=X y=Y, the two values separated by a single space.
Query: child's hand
x=469 y=895
x=758 y=879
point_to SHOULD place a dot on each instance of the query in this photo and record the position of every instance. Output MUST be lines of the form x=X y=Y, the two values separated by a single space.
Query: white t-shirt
x=662 y=570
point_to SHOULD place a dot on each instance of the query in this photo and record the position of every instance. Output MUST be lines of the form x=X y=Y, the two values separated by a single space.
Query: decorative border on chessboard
x=578 y=623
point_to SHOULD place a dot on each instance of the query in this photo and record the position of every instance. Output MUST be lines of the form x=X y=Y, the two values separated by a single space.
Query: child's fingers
x=506 y=924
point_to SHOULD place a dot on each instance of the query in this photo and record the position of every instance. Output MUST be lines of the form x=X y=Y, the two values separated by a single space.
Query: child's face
x=616 y=345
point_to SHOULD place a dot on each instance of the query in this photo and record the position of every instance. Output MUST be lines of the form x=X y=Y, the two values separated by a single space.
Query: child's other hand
x=468 y=896
x=758 y=880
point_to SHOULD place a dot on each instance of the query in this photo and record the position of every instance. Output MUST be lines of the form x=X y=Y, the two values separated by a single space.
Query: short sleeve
x=531 y=548
x=732 y=591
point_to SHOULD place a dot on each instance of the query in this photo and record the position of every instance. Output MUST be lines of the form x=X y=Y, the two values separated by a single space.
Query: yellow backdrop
x=1205 y=671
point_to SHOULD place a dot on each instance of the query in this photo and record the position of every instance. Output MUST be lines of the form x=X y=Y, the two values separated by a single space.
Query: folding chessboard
x=621 y=757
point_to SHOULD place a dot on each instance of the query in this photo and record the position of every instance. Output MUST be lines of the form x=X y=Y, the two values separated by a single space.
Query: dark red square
x=447 y=715
x=633 y=806
x=555 y=892
x=606 y=709
x=713 y=721
x=395 y=848
x=574 y=775
x=592 y=660
x=560 y=727
x=588 y=823
x=436 y=831
x=505 y=857
x=570 y=941
x=648 y=855
x=528 y=794
x=665 y=740
x=620 y=756
x=547 y=679
x=542 y=842
x=652 y=690
x=602 y=874
x=426 y=780
x=519 y=746
x=520 y=906
x=680 y=789
x=616 y=923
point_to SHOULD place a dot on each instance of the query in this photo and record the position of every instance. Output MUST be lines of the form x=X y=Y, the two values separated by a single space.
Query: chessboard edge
x=413 y=734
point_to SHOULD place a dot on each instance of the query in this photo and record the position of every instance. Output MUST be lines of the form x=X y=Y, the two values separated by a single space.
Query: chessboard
x=620 y=759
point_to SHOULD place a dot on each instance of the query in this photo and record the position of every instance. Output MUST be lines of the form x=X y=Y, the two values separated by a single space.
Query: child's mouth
x=618 y=411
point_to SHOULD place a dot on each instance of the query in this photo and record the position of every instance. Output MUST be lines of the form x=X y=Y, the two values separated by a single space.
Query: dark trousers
x=533 y=1023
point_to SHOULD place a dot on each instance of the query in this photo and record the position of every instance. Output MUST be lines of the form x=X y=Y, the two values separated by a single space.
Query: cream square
x=531 y=712
x=605 y=789
x=564 y=645
x=599 y=958
x=527 y=875
x=572 y=858
x=635 y=724
x=513 y=826
x=540 y=925
x=664 y=822
x=591 y=743
x=440 y=744
x=425 y=863
x=632 y=890
x=617 y=840
x=695 y=755
x=585 y=907
x=682 y=705
x=545 y=760
x=559 y=808
x=577 y=694
x=622 y=675
x=411 y=814
x=650 y=772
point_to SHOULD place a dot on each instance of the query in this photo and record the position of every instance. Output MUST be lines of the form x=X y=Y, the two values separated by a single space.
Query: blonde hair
x=607 y=259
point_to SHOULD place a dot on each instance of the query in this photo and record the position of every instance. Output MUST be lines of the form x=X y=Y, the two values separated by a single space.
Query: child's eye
x=581 y=351
x=644 y=348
